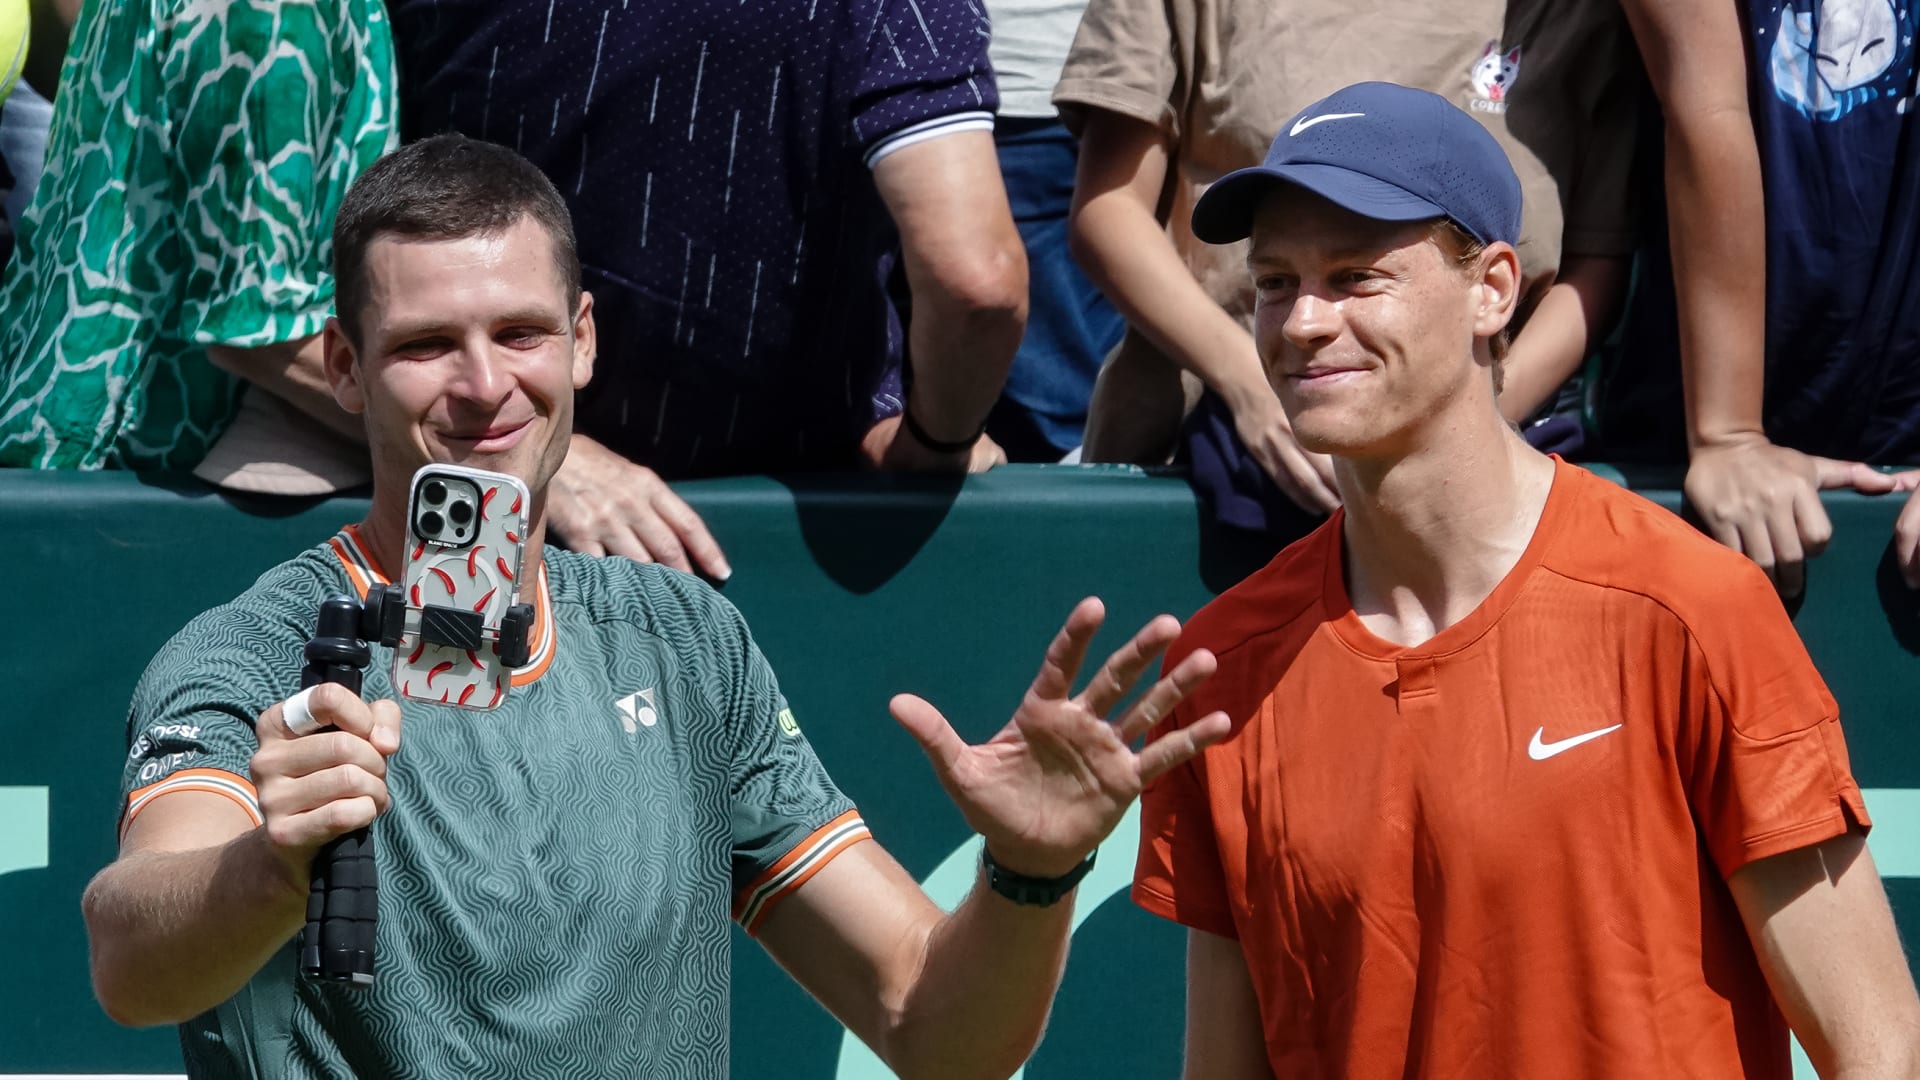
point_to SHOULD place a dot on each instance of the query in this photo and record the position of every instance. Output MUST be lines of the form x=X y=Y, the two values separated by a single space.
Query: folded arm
x=1582 y=303
x=295 y=372
x=1119 y=242
x=967 y=270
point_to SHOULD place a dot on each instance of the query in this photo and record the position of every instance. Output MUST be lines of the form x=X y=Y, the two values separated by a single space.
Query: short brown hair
x=448 y=187
x=1462 y=249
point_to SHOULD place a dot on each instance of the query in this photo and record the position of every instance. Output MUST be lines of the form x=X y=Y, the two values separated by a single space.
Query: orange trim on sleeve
x=796 y=867
x=217 y=781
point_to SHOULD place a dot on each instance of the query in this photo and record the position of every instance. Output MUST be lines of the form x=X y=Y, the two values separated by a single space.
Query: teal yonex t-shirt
x=557 y=876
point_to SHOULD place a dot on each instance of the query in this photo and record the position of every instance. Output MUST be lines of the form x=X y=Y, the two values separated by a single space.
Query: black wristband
x=938 y=446
x=1038 y=892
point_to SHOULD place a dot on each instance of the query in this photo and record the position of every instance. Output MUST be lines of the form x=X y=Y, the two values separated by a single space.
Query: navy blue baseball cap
x=1383 y=151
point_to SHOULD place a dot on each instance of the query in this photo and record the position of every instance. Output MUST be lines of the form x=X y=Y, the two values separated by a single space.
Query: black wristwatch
x=938 y=446
x=1035 y=891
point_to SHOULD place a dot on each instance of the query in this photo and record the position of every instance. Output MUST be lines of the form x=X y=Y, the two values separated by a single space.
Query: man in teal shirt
x=558 y=875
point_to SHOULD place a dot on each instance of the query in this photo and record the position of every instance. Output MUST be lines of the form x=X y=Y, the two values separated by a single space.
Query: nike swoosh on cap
x=1303 y=124
x=1541 y=751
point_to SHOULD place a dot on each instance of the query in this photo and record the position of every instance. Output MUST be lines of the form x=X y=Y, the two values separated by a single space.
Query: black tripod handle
x=343 y=894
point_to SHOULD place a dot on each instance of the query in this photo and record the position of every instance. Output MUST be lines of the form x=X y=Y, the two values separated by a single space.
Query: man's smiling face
x=471 y=355
x=1366 y=329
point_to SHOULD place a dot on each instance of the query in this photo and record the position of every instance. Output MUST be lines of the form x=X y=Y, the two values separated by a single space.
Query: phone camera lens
x=461 y=512
x=431 y=525
x=434 y=491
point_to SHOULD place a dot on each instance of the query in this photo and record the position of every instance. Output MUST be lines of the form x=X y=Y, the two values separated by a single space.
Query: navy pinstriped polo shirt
x=715 y=155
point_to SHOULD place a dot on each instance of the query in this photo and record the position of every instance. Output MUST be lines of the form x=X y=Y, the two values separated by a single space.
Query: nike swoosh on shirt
x=1302 y=125
x=1541 y=751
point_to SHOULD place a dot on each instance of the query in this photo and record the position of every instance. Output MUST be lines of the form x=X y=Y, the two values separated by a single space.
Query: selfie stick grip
x=337 y=942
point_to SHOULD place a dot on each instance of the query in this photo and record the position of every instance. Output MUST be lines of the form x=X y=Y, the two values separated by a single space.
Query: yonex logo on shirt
x=637 y=710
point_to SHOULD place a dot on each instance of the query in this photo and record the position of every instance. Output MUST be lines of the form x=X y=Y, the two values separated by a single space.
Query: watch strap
x=1033 y=891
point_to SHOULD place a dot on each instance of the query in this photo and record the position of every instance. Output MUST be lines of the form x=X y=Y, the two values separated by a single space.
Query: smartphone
x=463 y=632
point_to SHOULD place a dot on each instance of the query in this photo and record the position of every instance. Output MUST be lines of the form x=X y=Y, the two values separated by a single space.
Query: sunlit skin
x=471 y=355
x=1373 y=340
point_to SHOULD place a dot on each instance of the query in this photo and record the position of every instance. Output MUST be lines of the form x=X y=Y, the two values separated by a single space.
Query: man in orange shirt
x=1527 y=778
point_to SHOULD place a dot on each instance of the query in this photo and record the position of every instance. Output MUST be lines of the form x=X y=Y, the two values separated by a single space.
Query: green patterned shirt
x=558 y=876
x=197 y=156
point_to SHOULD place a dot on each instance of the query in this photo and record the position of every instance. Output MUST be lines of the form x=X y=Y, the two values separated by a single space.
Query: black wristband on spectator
x=938 y=446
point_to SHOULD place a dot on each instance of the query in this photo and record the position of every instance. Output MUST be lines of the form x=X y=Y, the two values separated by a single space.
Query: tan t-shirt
x=1553 y=80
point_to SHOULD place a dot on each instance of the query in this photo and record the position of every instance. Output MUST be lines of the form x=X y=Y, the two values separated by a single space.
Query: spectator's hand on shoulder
x=602 y=504
x=1763 y=501
x=1906 y=530
x=890 y=447
x=1306 y=477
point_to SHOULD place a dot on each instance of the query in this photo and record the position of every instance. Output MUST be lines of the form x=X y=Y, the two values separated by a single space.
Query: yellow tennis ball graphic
x=14 y=25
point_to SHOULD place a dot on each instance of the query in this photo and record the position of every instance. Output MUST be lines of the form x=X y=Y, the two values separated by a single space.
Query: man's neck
x=1429 y=535
x=384 y=532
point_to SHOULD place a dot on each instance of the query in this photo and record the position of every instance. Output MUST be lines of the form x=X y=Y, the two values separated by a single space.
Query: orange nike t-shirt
x=1503 y=853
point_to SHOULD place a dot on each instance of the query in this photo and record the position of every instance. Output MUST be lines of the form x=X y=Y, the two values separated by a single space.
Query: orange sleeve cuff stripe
x=217 y=781
x=808 y=857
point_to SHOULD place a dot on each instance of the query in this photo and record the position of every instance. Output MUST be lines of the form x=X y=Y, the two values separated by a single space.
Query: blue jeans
x=1042 y=413
x=24 y=123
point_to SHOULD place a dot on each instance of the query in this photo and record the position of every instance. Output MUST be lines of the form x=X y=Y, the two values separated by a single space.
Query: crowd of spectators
x=937 y=235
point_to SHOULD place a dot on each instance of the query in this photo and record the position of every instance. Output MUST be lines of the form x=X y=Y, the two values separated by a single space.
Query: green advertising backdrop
x=856 y=588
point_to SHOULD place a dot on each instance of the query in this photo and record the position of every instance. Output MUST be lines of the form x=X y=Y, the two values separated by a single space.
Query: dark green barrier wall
x=856 y=590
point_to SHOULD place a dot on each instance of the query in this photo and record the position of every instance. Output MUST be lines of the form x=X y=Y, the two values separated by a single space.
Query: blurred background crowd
x=926 y=235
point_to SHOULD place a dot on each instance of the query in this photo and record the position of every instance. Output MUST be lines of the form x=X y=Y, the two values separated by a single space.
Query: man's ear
x=585 y=342
x=343 y=372
x=1498 y=293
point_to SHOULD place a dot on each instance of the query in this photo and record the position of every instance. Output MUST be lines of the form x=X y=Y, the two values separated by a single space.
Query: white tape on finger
x=298 y=718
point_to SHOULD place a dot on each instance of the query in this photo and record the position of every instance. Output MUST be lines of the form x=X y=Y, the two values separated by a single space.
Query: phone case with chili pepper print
x=466 y=535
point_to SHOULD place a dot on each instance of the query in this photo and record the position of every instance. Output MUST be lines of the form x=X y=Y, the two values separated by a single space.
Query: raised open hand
x=1055 y=781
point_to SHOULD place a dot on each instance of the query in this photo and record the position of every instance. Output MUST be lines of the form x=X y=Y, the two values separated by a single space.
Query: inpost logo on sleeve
x=788 y=724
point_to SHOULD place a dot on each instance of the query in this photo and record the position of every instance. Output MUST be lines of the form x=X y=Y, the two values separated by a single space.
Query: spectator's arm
x=295 y=372
x=1224 y=1040
x=1120 y=243
x=967 y=269
x=1825 y=937
x=1696 y=60
x=1123 y=248
x=1757 y=498
x=1581 y=304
